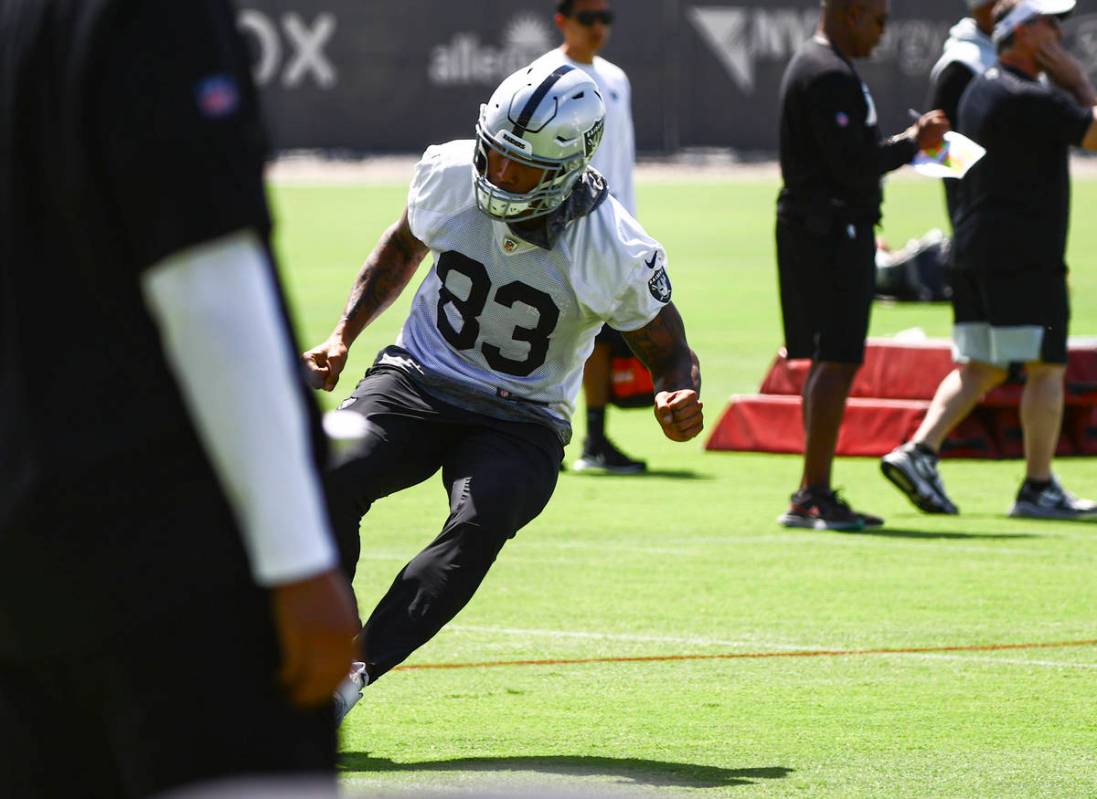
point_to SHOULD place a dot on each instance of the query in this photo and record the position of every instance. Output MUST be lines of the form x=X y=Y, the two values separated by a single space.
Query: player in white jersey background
x=531 y=257
x=585 y=26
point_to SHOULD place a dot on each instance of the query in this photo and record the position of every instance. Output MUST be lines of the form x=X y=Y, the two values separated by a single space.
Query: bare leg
x=825 y=394
x=956 y=397
x=1042 y=417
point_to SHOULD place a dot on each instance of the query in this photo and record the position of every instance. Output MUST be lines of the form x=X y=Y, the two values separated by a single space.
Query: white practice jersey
x=504 y=318
x=968 y=45
x=616 y=157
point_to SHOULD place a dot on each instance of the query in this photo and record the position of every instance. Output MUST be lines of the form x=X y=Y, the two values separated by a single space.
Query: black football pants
x=498 y=475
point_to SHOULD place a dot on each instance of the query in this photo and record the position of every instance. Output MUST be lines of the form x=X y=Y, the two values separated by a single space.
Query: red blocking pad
x=890 y=397
x=972 y=438
x=1005 y=427
x=912 y=370
x=1081 y=425
x=763 y=423
x=890 y=371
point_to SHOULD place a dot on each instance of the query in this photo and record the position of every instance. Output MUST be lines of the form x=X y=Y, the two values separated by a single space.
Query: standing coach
x=1010 y=298
x=832 y=160
x=169 y=611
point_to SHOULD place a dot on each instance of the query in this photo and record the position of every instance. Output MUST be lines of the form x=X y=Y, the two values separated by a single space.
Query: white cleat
x=1053 y=502
x=349 y=691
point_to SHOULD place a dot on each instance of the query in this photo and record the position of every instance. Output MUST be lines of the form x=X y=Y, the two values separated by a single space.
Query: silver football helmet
x=547 y=118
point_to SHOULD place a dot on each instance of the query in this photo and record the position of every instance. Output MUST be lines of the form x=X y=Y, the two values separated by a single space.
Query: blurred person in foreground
x=171 y=612
x=832 y=160
x=585 y=26
x=968 y=53
x=531 y=257
x=1010 y=296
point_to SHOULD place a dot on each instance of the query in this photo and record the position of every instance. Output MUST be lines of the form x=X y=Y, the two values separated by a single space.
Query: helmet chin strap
x=510 y=207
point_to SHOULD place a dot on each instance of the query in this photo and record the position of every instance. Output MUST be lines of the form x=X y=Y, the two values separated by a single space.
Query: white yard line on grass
x=754 y=644
x=690 y=548
x=984 y=659
x=629 y=637
x=526 y=551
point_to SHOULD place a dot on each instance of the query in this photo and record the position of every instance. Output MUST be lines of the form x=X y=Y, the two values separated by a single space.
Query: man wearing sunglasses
x=1010 y=297
x=585 y=26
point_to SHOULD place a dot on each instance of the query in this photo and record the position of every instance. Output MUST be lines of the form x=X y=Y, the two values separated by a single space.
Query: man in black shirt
x=1010 y=295
x=968 y=53
x=170 y=611
x=832 y=160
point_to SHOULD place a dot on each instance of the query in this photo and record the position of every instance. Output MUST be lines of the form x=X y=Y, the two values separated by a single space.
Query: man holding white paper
x=1010 y=296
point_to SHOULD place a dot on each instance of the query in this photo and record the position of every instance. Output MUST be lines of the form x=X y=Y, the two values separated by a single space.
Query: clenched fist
x=325 y=363
x=679 y=414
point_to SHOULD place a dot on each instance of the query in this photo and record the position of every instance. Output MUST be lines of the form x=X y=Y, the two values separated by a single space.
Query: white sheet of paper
x=953 y=159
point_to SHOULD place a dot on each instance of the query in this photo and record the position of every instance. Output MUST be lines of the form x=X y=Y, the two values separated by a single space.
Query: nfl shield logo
x=509 y=245
x=217 y=96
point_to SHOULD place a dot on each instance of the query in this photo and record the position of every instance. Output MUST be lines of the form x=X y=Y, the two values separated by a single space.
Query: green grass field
x=688 y=565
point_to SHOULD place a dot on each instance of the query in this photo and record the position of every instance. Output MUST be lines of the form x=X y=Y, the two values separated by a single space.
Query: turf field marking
x=521 y=552
x=1049 y=664
x=700 y=641
x=702 y=547
x=606 y=636
x=798 y=653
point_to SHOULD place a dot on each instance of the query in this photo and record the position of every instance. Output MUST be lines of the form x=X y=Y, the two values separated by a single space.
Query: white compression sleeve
x=225 y=340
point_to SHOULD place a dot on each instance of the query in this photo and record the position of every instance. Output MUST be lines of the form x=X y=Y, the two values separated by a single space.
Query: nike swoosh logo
x=651 y=264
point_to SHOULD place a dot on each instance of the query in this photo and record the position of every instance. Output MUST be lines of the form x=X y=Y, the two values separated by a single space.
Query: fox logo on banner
x=290 y=48
x=704 y=73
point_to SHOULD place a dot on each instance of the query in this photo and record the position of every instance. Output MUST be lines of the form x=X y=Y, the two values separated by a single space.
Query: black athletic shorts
x=827 y=283
x=1011 y=317
x=184 y=700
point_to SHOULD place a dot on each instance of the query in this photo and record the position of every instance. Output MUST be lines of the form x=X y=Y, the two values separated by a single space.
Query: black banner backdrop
x=366 y=76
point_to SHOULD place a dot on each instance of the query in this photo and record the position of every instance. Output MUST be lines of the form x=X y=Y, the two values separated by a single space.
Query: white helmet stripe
x=537 y=97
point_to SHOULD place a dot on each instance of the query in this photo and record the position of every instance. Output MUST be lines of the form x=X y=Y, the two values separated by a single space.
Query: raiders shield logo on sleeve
x=659 y=286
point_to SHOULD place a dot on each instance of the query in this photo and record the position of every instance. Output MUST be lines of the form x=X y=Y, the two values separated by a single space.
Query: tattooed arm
x=661 y=345
x=379 y=282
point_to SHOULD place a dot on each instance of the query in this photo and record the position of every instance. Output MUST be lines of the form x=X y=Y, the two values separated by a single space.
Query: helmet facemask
x=559 y=145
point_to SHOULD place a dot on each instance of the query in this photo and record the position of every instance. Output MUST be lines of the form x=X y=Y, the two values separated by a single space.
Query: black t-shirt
x=945 y=94
x=129 y=130
x=832 y=153
x=1015 y=204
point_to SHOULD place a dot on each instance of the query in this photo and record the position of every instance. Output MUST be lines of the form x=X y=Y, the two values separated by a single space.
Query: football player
x=531 y=256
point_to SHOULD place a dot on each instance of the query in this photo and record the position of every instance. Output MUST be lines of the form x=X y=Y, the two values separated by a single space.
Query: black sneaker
x=605 y=457
x=914 y=472
x=1052 y=502
x=816 y=509
x=869 y=521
